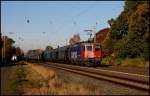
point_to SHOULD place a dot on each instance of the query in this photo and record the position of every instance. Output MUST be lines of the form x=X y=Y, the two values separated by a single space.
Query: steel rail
x=129 y=76
x=134 y=81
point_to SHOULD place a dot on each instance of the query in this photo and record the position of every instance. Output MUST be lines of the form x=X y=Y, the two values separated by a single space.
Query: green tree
x=130 y=6
x=134 y=21
x=7 y=48
x=74 y=39
x=119 y=26
x=111 y=21
x=1 y=44
x=139 y=30
x=48 y=47
x=107 y=44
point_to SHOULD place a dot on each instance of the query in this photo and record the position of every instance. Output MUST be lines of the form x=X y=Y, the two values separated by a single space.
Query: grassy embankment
x=127 y=62
x=37 y=80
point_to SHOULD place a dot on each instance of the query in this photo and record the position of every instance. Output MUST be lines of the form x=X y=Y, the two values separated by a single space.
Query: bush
x=110 y=60
x=135 y=62
x=106 y=60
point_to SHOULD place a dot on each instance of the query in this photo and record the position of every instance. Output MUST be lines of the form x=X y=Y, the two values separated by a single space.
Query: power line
x=79 y=14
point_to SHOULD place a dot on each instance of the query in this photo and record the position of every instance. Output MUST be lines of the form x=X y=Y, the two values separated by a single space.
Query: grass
x=126 y=62
x=51 y=84
x=109 y=60
x=135 y=62
x=17 y=78
x=31 y=79
x=106 y=60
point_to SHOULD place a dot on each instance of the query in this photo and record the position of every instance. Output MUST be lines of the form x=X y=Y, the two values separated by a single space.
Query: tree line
x=129 y=36
x=8 y=49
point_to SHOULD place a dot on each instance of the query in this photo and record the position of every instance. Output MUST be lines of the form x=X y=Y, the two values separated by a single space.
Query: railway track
x=140 y=82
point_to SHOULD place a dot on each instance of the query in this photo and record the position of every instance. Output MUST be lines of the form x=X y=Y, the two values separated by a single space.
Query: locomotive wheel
x=87 y=64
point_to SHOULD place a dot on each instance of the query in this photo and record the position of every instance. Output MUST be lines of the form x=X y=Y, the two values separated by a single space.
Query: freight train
x=86 y=54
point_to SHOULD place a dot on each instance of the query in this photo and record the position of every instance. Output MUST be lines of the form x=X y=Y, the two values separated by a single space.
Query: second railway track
x=140 y=82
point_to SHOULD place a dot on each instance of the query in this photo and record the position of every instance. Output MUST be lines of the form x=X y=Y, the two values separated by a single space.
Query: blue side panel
x=78 y=50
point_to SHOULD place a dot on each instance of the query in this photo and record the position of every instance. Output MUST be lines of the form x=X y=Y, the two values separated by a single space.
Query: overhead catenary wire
x=74 y=21
x=76 y=16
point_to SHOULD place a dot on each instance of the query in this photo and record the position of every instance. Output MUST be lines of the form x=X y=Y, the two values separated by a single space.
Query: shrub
x=134 y=62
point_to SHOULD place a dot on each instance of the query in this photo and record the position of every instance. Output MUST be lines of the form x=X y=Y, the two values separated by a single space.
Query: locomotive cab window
x=89 y=48
x=97 y=48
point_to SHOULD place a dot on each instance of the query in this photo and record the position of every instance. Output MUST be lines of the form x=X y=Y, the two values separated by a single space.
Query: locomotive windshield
x=97 y=48
x=89 y=48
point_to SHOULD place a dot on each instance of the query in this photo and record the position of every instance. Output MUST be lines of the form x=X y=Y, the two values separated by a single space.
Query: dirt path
x=5 y=87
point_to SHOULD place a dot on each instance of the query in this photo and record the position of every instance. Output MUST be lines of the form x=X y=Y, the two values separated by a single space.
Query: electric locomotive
x=87 y=54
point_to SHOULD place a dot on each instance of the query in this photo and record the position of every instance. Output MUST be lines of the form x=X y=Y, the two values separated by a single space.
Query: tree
x=139 y=31
x=74 y=39
x=48 y=47
x=119 y=26
x=130 y=30
x=7 y=48
x=18 y=51
x=111 y=21
x=71 y=41
x=107 y=44
x=1 y=44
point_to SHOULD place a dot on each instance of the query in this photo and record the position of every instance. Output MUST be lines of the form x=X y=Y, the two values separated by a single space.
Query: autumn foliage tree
x=130 y=31
x=48 y=47
x=7 y=48
x=1 y=44
x=74 y=39
x=139 y=31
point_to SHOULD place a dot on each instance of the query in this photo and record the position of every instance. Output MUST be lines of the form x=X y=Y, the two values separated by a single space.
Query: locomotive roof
x=67 y=46
x=83 y=43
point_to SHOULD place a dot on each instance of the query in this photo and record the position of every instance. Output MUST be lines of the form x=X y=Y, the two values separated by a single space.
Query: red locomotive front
x=87 y=54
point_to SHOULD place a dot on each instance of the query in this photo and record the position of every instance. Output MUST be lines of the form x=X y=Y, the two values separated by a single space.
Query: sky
x=54 y=22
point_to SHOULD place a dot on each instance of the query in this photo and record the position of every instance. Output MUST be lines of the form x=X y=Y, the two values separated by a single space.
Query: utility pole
x=66 y=41
x=1 y=46
x=95 y=32
x=4 y=46
x=3 y=49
